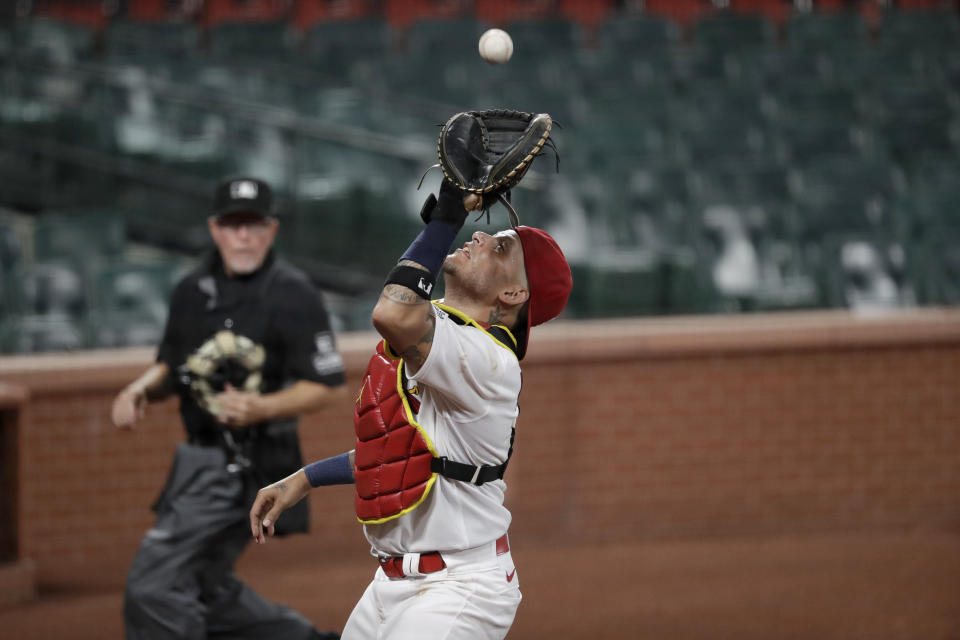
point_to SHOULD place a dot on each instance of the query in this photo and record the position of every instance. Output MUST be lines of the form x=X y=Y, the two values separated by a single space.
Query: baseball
x=496 y=46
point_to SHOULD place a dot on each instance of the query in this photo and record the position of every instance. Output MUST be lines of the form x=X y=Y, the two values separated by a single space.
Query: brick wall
x=667 y=428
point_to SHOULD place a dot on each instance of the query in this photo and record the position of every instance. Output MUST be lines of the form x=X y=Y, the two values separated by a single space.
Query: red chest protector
x=396 y=464
x=393 y=454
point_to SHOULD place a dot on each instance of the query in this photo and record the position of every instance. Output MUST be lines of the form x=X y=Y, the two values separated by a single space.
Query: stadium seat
x=818 y=31
x=77 y=235
x=11 y=252
x=775 y=68
x=686 y=285
x=339 y=40
x=915 y=117
x=804 y=140
x=846 y=194
x=52 y=41
x=884 y=65
x=721 y=99
x=538 y=36
x=931 y=30
x=50 y=288
x=865 y=272
x=6 y=41
x=683 y=12
x=123 y=38
x=130 y=302
x=933 y=199
x=734 y=32
x=699 y=64
x=796 y=99
x=618 y=284
x=450 y=38
x=36 y=334
x=249 y=39
x=937 y=272
x=636 y=34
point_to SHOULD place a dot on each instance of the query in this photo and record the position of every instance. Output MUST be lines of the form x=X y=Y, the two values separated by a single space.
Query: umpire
x=247 y=347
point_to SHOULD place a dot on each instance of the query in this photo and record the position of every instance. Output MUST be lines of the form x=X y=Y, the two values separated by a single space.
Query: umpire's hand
x=240 y=408
x=128 y=407
x=273 y=500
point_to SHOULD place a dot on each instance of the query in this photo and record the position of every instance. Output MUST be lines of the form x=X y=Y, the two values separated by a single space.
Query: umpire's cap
x=548 y=278
x=243 y=195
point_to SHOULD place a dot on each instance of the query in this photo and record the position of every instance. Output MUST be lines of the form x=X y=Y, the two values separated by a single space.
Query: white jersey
x=468 y=389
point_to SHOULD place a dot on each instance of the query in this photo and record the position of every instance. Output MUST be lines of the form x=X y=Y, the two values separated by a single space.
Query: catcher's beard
x=458 y=284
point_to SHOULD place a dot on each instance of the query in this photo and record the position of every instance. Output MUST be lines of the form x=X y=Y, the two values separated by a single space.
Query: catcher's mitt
x=488 y=152
x=226 y=358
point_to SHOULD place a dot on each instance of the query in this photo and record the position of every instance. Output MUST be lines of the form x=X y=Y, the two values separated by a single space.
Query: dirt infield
x=872 y=586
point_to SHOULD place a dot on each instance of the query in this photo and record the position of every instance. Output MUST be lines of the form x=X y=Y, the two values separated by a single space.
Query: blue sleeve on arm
x=431 y=246
x=335 y=470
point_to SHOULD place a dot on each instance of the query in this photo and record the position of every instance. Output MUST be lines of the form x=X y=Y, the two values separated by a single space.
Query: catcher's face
x=243 y=240
x=490 y=268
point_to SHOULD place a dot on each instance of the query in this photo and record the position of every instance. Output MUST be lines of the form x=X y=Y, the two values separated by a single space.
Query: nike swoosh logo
x=511 y=574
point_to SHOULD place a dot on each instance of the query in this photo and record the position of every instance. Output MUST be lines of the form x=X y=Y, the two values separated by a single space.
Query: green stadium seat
x=804 y=140
x=776 y=68
x=686 y=285
x=937 y=269
x=6 y=42
x=636 y=35
x=52 y=41
x=51 y=287
x=36 y=334
x=690 y=67
x=130 y=302
x=826 y=31
x=722 y=32
x=252 y=39
x=933 y=200
x=847 y=194
x=455 y=37
x=915 y=117
x=618 y=284
x=930 y=30
x=122 y=38
x=78 y=235
x=339 y=41
x=11 y=252
x=817 y=99
x=535 y=36
x=865 y=272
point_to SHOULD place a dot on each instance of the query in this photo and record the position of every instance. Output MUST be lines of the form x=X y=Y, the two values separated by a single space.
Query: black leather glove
x=447 y=208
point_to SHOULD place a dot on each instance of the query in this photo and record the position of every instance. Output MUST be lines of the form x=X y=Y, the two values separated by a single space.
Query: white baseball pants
x=475 y=597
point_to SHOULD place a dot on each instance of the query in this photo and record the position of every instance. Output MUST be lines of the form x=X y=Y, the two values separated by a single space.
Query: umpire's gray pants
x=181 y=584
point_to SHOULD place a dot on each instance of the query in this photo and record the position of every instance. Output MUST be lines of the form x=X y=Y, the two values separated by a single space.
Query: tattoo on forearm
x=281 y=486
x=496 y=315
x=401 y=295
x=412 y=354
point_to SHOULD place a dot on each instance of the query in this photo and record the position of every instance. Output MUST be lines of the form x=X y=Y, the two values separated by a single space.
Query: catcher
x=436 y=413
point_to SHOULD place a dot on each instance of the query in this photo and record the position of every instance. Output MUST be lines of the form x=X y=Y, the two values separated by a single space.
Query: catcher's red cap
x=548 y=278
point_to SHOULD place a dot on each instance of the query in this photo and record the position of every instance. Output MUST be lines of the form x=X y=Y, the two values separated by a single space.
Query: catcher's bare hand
x=273 y=500
x=473 y=202
x=239 y=408
x=128 y=407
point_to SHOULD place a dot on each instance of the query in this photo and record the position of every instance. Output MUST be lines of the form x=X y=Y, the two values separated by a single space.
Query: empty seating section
x=761 y=155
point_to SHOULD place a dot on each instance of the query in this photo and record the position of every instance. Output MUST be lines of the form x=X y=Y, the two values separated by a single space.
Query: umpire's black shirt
x=277 y=307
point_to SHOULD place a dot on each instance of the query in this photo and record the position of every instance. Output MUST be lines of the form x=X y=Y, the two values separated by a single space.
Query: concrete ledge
x=568 y=341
